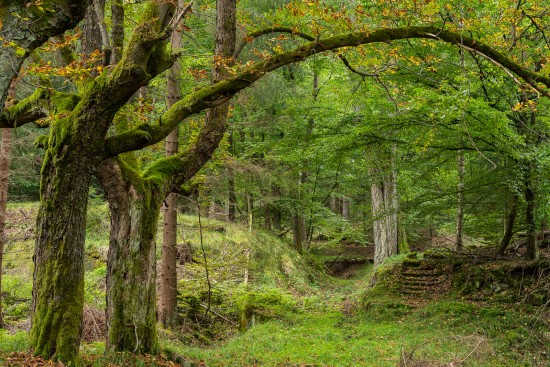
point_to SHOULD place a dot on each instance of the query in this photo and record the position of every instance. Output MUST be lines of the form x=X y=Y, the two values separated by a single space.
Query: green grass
x=297 y=315
x=443 y=331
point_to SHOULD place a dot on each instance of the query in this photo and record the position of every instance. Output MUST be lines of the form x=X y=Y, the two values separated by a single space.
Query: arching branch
x=216 y=94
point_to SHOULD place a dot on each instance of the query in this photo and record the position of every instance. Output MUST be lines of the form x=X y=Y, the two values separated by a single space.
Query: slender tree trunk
x=134 y=205
x=345 y=208
x=117 y=30
x=5 y=158
x=231 y=195
x=299 y=221
x=298 y=225
x=460 y=208
x=249 y=209
x=402 y=242
x=226 y=36
x=168 y=278
x=390 y=206
x=509 y=226
x=531 y=241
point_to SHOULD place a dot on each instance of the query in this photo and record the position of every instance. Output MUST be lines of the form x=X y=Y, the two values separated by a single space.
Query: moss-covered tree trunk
x=58 y=289
x=134 y=205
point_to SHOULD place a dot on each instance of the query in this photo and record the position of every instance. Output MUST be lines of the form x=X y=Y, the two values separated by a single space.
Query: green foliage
x=94 y=287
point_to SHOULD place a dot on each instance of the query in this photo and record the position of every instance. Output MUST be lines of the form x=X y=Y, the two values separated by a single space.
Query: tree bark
x=345 y=208
x=298 y=232
x=509 y=227
x=58 y=287
x=134 y=204
x=383 y=176
x=231 y=195
x=29 y=30
x=117 y=30
x=391 y=204
x=460 y=208
x=382 y=248
x=5 y=158
x=531 y=240
x=168 y=277
x=91 y=34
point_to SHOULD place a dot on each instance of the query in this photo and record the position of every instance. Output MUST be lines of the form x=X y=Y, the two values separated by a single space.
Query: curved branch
x=29 y=30
x=216 y=94
x=42 y=103
x=305 y=36
x=251 y=36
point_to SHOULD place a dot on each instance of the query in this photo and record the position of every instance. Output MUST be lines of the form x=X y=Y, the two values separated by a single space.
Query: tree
x=5 y=159
x=168 y=290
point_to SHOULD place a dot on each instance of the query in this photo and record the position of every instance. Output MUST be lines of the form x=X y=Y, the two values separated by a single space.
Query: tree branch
x=31 y=29
x=218 y=93
x=42 y=103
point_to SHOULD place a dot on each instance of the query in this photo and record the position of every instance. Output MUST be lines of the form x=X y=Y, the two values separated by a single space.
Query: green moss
x=63 y=102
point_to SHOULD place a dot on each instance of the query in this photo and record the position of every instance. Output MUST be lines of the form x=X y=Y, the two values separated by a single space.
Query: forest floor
x=321 y=309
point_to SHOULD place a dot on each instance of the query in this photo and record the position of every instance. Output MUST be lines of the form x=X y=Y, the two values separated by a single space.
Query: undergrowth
x=269 y=306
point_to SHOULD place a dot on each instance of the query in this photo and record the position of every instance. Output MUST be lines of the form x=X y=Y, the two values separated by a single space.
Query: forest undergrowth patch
x=292 y=313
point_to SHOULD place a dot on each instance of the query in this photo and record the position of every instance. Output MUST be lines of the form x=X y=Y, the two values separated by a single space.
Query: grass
x=296 y=314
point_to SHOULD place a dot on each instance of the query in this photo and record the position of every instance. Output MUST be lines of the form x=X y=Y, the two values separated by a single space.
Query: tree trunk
x=509 y=227
x=117 y=30
x=385 y=202
x=5 y=158
x=345 y=208
x=58 y=286
x=382 y=248
x=134 y=205
x=91 y=34
x=168 y=277
x=390 y=206
x=460 y=209
x=298 y=232
x=231 y=195
x=531 y=240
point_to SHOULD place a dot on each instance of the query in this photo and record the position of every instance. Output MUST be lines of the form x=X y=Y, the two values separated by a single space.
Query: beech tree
x=79 y=145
